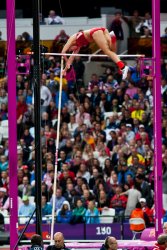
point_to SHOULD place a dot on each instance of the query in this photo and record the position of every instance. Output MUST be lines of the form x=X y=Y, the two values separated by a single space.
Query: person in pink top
x=131 y=90
x=105 y=41
x=82 y=116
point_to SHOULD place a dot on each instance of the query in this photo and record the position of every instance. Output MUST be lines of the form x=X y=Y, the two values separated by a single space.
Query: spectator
x=27 y=137
x=88 y=139
x=3 y=163
x=103 y=200
x=82 y=116
x=134 y=21
x=3 y=112
x=79 y=68
x=20 y=175
x=93 y=82
x=116 y=26
x=147 y=22
x=135 y=74
x=64 y=214
x=54 y=19
x=135 y=164
x=79 y=182
x=161 y=242
x=84 y=172
x=129 y=134
x=26 y=36
x=123 y=173
x=62 y=37
x=113 y=182
x=82 y=95
x=134 y=153
x=46 y=207
x=72 y=125
x=99 y=132
x=102 y=156
x=4 y=179
x=47 y=177
x=110 y=243
x=65 y=116
x=165 y=228
x=145 y=189
x=108 y=167
x=126 y=116
x=64 y=99
x=46 y=98
x=133 y=198
x=52 y=84
x=146 y=209
x=165 y=33
x=100 y=185
x=118 y=202
x=87 y=197
x=131 y=90
x=3 y=97
x=36 y=242
x=67 y=148
x=66 y=173
x=4 y=199
x=146 y=33
x=26 y=209
x=25 y=188
x=78 y=213
x=64 y=81
x=71 y=194
x=95 y=96
x=71 y=79
x=59 y=242
x=26 y=171
x=59 y=199
x=2 y=222
x=45 y=120
x=21 y=106
x=92 y=213
x=93 y=178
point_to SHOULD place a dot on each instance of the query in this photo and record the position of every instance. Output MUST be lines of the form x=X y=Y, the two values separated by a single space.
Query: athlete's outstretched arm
x=68 y=44
x=70 y=61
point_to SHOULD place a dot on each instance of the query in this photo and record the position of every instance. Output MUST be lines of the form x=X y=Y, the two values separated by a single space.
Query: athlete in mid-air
x=105 y=41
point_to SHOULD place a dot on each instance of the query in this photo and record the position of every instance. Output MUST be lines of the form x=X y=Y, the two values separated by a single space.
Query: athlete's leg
x=104 y=44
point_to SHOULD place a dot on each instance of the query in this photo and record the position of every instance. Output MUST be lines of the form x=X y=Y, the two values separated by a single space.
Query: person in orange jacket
x=138 y=213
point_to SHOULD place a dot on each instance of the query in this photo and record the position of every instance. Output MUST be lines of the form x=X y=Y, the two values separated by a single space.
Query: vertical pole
x=11 y=68
x=37 y=113
x=56 y=153
x=157 y=116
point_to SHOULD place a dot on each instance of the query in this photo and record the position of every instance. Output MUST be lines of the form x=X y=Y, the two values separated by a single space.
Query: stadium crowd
x=106 y=143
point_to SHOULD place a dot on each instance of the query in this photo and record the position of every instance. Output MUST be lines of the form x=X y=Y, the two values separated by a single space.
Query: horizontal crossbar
x=89 y=55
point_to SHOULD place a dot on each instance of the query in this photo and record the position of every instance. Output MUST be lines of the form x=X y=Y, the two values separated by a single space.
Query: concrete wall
x=72 y=25
x=48 y=32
